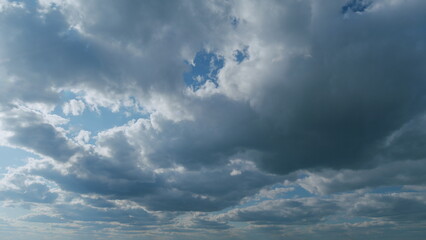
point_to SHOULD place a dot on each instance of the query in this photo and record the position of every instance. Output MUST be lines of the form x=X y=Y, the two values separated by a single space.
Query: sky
x=216 y=119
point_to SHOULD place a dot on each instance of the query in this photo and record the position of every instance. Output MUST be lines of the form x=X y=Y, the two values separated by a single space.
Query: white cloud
x=73 y=107
x=83 y=137
x=235 y=172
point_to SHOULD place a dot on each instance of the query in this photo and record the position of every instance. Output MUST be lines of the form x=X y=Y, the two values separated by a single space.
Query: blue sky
x=212 y=119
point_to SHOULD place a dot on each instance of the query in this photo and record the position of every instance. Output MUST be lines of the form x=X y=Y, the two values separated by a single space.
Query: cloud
x=43 y=218
x=33 y=193
x=284 y=212
x=74 y=107
x=165 y=190
x=83 y=137
x=328 y=96
x=119 y=166
x=392 y=174
x=30 y=130
x=18 y=186
x=312 y=100
x=78 y=212
x=398 y=207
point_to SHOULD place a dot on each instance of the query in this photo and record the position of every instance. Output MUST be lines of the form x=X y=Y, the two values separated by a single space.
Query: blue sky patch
x=205 y=68
x=234 y=21
x=241 y=55
x=356 y=6
x=95 y=121
x=13 y=157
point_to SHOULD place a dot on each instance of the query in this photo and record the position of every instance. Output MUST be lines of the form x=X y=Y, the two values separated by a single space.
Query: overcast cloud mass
x=294 y=119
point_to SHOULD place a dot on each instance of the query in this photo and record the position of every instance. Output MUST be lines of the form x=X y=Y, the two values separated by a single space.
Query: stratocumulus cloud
x=212 y=119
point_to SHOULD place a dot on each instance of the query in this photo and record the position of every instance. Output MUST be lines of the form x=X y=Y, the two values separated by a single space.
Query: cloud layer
x=236 y=119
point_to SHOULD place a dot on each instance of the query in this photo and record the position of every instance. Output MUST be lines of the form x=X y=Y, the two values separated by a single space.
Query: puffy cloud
x=313 y=100
x=74 y=107
x=32 y=131
x=83 y=137
x=332 y=102
x=17 y=186
x=165 y=189
x=120 y=167
x=328 y=95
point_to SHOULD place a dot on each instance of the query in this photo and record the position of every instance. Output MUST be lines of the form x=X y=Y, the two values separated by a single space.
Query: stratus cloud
x=400 y=207
x=408 y=173
x=287 y=212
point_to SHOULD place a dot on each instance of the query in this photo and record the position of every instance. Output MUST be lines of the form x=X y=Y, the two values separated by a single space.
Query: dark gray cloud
x=327 y=104
x=406 y=142
x=41 y=53
x=44 y=139
x=112 y=48
x=171 y=190
x=399 y=207
x=30 y=131
x=392 y=174
x=200 y=221
x=122 y=172
x=358 y=85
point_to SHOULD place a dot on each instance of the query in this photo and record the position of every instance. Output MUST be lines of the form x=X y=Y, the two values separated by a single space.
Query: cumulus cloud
x=226 y=99
x=120 y=167
x=32 y=131
x=315 y=108
x=83 y=137
x=18 y=186
x=73 y=107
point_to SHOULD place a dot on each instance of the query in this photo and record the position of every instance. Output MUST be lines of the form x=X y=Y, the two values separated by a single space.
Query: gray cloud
x=284 y=212
x=116 y=169
x=43 y=54
x=33 y=193
x=80 y=212
x=80 y=216
x=392 y=174
x=327 y=102
x=398 y=207
x=332 y=90
x=168 y=191
x=18 y=186
x=335 y=105
x=43 y=218
x=30 y=131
